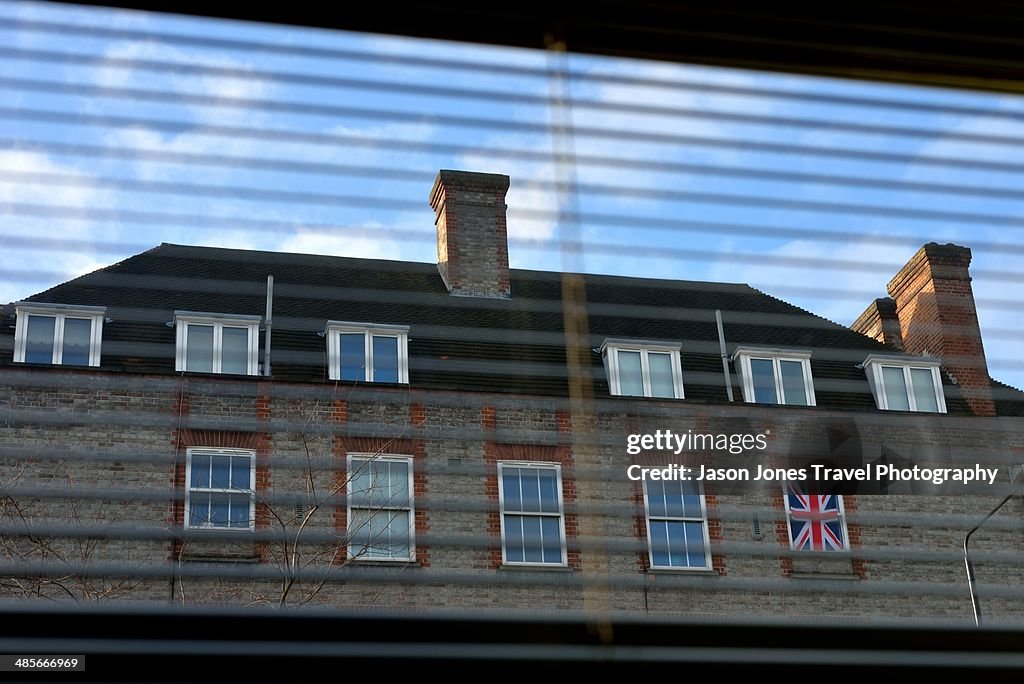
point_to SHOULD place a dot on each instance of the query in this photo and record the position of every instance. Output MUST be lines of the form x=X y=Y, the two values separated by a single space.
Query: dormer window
x=217 y=343
x=643 y=369
x=905 y=383
x=58 y=334
x=367 y=352
x=775 y=376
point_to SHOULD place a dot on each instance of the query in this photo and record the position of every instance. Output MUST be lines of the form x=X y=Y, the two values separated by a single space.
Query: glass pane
x=511 y=492
x=659 y=543
x=531 y=489
x=551 y=540
x=385 y=359
x=695 y=551
x=235 y=354
x=691 y=500
x=239 y=516
x=199 y=509
x=220 y=472
x=240 y=471
x=656 y=498
x=895 y=388
x=673 y=499
x=924 y=389
x=39 y=340
x=200 y=470
x=398 y=534
x=77 y=338
x=532 y=547
x=199 y=349
x=677 y=544
x=548 y=491
x=393 y=484
x=631 y=381
x=360 y=482
x=219 y=510
x=764 y=381
x=661 y=375
x=360 y=533
x=353 y=356
x=793 y=391
x=514 y=538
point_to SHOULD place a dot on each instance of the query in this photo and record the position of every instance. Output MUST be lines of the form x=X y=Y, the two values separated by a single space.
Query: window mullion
x=645 y=372
x=368 y=356
x=908 y=381
x=56 y=353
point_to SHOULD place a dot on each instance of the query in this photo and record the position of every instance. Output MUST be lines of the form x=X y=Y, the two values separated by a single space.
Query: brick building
x=455 y=435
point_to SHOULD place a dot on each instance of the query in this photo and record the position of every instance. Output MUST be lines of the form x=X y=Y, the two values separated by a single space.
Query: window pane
x=548 y=491
x=360 y=533
x=924 y=389
x=385 y=359
x=240 y=470
x=677 y=551
x=219 y=510
x=793 y=382
x=239 y=516
x=656 y=505
x=353 y=356
x=661 y=375
x=659 y=543
x=360 y=482
x=199 y=510
x=764 y=381
x=895 y=388
x=551 y=539
x=631 y=382
x=691 y=500
x=39 y=340
x=531 y=489
x=514 y=538
x=532 y=546
x=199 y=349
x=695 y=551
x=511 y=492
x=398 y=534
x=220 y=472
x=398 y=490
x=200 y=470
x=77 y=336
x=673 y=498
x=235 y=353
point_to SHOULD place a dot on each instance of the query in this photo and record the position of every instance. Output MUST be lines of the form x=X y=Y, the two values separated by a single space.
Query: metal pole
x=975 y=601
x=267 y=325
x=725 y=357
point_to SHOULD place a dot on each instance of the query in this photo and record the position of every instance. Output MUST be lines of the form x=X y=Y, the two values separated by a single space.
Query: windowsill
x=540 y=567
x=383 y=562
x=682 y=571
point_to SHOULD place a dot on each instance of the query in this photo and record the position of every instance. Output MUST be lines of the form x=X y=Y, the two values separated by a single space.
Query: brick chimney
x=936 y=312
x=880 y=322
x=472 y=237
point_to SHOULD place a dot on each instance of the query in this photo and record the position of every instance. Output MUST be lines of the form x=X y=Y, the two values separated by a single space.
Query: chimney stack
x=472 y=236
x=880 y=322
x=936 y=312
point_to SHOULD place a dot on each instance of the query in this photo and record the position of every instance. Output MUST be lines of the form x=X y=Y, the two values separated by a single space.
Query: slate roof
x=458 y=343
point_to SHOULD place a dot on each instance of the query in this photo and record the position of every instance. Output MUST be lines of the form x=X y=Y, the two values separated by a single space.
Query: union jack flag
x=816 y=521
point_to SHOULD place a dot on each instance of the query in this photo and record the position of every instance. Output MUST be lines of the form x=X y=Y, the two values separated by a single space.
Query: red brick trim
x=494 y=452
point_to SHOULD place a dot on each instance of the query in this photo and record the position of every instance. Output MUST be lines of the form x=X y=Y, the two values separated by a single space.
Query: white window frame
x=672 y=518
x=842 y=519
x=356 y=552
x=212 y=451
x=743 y=356
x=334 y=331
x=59 y=312
x=610 y=353
x=537 y=465
x=874 y=363
x=183 y=319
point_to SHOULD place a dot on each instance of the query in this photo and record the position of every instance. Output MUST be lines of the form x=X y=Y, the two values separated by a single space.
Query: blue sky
x=701 y=194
